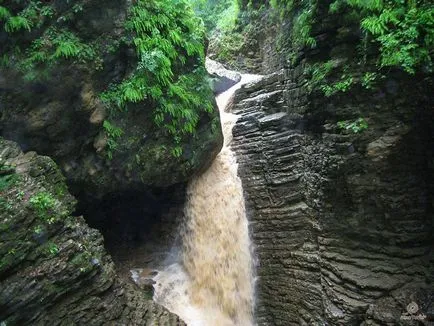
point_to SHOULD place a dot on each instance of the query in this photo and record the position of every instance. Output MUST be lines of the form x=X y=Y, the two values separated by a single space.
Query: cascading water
x=214 y=283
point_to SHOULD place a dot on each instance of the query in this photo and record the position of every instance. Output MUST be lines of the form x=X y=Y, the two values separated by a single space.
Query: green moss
x=43 y=203
x=4 y=227
x=61 y=189
x=7 y=181
x=13 y=255
x=54 y=288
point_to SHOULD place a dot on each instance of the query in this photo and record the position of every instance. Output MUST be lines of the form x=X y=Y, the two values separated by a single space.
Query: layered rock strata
x=342 y=223
x=54 y=269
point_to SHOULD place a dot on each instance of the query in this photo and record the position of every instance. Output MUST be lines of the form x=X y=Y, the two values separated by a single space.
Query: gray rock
x=340 y=222
x=222 y=78
x=54 y=269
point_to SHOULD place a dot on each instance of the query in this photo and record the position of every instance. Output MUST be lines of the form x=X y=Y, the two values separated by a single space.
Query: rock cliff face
x=62 y=115
x=54 y=269
x=342 y=223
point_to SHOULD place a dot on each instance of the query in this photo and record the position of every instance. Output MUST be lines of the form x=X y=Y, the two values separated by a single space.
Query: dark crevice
x=140 y=228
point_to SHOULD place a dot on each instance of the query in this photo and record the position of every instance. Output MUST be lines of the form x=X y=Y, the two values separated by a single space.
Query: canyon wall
x=54 y=269
x=342 y=221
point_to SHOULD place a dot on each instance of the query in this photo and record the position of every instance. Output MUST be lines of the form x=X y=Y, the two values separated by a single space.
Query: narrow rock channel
x=213 y=284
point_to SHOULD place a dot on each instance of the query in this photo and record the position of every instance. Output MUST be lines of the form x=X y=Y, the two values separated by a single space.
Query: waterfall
x=213 y=284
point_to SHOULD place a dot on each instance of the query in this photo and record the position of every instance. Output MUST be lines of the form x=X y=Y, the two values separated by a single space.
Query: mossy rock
x=60 y=111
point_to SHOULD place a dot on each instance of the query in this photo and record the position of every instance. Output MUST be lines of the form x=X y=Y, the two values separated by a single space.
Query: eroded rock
x=223 y=79
x=341 y=222
x=54 y=269
x=61 y=114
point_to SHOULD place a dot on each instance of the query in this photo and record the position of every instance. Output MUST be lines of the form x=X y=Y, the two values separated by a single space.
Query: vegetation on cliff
x=51 y=262
x=388 y=35
x=391 y=34
x=117 y=90
x=168 y=71
x=224 y=25
x=166 y=35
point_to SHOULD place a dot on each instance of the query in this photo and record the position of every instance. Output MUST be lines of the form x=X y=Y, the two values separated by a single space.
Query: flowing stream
x=213 y=284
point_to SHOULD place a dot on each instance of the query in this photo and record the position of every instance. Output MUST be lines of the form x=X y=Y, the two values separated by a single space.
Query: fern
x=165 y=33
x=113 y=133
x=16 y=23
x=404 y=30
x=4 y=13
x=66 y=49
x=374 y=25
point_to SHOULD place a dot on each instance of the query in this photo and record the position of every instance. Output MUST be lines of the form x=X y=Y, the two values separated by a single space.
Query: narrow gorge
x=216 y=163
x=214 y=281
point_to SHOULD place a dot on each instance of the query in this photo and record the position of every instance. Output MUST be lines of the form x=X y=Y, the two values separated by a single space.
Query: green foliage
x=303 y=26
x=302 y=14
x=166 y=35
x=16 y=23
x=234 y=31
x=52 y=47
x=228 y=44
x=37 y=57
x=393 y=33
x=33 y=15
x=8 y=177
x=19 y=195
x=320 y=78
x=43 y=202
x=169 y=42
x=403 y=30
x=217 y=14
x=319 y=71
x=6 y=205
x=342 y=85
x=38 y=230
x=368 y=79
x=4 y=13
x=7 y=181
x=112 y=133
x=355 y=126
x=51 y=249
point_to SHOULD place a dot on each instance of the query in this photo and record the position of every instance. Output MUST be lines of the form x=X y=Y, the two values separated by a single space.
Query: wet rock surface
x=222 y=78
x=54 y=269
x=342 y=223
x=62 y=116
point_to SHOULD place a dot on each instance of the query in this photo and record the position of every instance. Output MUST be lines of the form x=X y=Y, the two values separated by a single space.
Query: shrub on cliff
x=392 y=34
x=115 y=89
x=169 y=67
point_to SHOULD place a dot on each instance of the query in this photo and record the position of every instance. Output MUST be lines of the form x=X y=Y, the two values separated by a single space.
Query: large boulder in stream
x=222 y=78
x=54 y=269
x=66 y=105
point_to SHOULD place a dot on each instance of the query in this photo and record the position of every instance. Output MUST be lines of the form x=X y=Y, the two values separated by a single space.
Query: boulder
x=61 y=114
x=222 y=78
